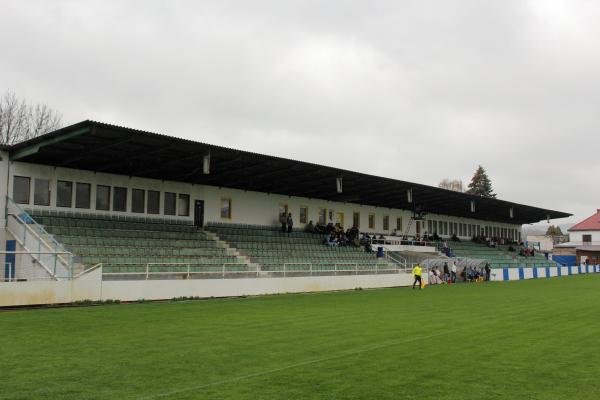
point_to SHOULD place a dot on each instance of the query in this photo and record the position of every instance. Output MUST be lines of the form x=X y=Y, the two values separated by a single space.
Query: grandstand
x=498 y=257
x=124 y=205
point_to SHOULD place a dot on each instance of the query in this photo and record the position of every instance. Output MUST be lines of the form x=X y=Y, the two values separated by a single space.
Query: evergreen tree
x=481 y=185
x=554 y=231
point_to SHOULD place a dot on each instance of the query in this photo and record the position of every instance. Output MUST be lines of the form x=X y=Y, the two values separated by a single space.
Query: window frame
x=180 y=197
x=28 y=189
x=323 y=214
x=114 y=200
x=58 y=203
x=305 y=219
x=221 y=203
x=166 y=203
x=371 y=221
x=137 y=208
x=89 y=194
x=148 y=202
x=108 y=202
x=356 y=219
x=35 y=191
x=386 y=222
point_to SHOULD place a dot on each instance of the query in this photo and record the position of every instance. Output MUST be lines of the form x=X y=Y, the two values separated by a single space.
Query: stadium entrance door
x=199 y=213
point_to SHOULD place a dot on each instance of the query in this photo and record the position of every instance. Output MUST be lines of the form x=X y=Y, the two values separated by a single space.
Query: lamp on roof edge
x=338 y=184
x=206 y=164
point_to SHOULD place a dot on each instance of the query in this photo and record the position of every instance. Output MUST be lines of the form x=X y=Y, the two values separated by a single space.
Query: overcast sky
x=413 y=90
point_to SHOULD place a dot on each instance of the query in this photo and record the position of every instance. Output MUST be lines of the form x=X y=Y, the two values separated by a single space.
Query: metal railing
x=185 y=271
x=9 y=272
x=38 y=243
x=24 y=271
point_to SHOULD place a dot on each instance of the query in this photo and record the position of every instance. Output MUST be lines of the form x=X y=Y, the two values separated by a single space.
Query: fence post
x=147 y=270
x=310 y=267
x=284 y=270
x=188 y=271
x=223 y=272
x=356 y=268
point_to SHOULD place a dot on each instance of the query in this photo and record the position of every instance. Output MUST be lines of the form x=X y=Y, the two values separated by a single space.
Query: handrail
x=401 y=261
x=60 y=252
x=376 y=268
x=26 y=225
x=86 y=271
x=43 y=231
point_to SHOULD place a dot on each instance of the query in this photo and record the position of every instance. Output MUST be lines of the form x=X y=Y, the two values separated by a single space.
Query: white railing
x=185 y=270
x=10 y=276
x=39 y=244
x=24 y=271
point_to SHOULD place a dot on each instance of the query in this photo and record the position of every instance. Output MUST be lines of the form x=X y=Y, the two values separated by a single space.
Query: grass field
x=537 y=339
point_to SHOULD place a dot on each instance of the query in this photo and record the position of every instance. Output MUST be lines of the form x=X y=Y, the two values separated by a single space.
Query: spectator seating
x=272 y=249
x=498 y=257
x=129 y=244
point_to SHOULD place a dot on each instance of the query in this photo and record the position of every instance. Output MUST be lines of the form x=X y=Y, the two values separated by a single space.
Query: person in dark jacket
x=290 y=223
x=283 y=221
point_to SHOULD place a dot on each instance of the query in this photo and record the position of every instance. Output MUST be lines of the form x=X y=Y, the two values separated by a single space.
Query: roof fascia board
x=33 y=149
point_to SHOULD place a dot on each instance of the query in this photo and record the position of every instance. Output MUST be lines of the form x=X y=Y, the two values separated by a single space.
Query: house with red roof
x=585 y=240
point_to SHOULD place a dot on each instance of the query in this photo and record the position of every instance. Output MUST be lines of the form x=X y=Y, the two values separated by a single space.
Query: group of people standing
x=449 y=275
x=287 y=223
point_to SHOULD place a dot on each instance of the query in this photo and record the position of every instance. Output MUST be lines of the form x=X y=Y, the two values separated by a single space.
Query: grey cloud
x=416 y=90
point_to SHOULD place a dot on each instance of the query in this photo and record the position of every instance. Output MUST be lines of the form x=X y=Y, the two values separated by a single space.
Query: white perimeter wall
x=91 y=286
x=247 y=207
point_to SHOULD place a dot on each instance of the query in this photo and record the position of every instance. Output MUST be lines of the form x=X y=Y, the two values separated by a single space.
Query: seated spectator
x=319 y=228
x=436 y=237
x=330 y=240
x=310 y=228
x=368 y=248
x=329 y=228
x=455 y=238
x=434 y=279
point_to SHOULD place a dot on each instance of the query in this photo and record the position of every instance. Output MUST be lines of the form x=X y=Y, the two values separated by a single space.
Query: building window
x=120 y=199
x=386 y=222
x=226 y=208
x=21 y=187
x=283 y=209
x=153 y=202
x=586 y=238
x=138 y=198
x=356 y=219
x=446 y=228
x=399 y=224
x=429 y=227
x=64 y=194
x=83 y=195
x=184 y=205
x=371 y=221
x=322 y=216
x=41 y=192
x=102 y=197
x=303 y=215
x=170 y=203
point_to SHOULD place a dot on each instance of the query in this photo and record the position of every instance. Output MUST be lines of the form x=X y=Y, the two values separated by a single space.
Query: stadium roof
x=101 y=147
x=589 y=224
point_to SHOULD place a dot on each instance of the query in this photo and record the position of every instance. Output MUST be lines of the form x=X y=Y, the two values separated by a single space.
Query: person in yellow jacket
x=417 y=274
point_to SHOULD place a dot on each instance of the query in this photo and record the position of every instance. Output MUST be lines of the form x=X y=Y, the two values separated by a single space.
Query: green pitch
x=537 y=339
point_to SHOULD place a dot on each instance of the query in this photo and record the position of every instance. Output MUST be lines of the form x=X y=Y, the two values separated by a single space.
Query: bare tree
x=20 y=121
x=455 y=185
